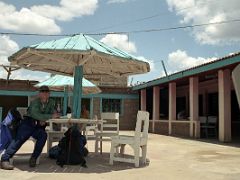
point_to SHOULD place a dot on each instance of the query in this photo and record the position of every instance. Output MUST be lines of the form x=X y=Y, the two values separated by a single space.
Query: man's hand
x=42 y=123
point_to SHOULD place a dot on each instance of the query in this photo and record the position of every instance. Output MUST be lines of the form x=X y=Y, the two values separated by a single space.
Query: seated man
x=40 y=110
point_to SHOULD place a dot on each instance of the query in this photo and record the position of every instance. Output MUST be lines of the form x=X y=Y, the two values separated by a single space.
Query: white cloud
x=198 y=12
x=67 y=9
x=7 y=48
x=120 y=41
x=24 y=74
x=116 y=1
x=180 y=60
x=41 y=18
x=25 y=20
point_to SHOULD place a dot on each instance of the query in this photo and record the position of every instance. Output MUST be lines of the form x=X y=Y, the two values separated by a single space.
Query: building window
x=111 y=105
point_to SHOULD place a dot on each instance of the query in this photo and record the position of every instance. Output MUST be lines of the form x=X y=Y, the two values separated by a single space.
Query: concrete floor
x=168 y=158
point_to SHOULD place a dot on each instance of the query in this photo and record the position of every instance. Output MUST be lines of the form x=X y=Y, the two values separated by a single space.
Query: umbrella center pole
x=77 y=91
x=65 y=100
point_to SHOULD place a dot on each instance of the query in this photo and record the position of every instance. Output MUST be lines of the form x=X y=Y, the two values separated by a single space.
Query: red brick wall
x=128 y=119
x=160 y=127
x=180 y=129
x=17 y=85
x=125 y=90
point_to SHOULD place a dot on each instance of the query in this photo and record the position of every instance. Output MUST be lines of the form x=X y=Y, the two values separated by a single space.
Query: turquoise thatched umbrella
x=77 y=56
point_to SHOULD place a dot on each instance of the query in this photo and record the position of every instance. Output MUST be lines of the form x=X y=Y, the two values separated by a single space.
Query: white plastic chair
x=109 y=128
x=139 y=140
x=93 y=128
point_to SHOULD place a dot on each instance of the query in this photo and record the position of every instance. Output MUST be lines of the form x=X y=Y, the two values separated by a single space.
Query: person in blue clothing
x=9 y=128
x=40 y=110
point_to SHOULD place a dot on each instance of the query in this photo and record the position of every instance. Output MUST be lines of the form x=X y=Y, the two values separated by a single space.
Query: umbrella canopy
x=58 y=82
x=63 y=55
x=78 y=55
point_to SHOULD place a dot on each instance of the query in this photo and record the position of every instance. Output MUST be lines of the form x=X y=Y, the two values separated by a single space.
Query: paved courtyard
x=168 y=158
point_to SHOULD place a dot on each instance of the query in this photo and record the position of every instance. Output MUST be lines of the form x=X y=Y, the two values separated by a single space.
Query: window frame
x=121 y=104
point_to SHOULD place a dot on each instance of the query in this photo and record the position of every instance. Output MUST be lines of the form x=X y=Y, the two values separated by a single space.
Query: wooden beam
x=55 y=58
x=9 y=69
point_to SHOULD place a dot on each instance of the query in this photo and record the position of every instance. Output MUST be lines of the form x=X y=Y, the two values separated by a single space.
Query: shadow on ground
x=97 y=163
x=235 y=142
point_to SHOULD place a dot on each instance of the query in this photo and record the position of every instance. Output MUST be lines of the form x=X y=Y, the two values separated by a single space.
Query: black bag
x=72 y=148
x=54 y=152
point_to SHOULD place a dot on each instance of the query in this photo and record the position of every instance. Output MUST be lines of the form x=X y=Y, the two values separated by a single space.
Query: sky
x=146 y=25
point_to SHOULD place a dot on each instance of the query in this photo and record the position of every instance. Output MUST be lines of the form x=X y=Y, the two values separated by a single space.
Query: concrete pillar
x=193 y=100
x=224 y=96
x=143 y=99
x=172 y=105
x=156 y=97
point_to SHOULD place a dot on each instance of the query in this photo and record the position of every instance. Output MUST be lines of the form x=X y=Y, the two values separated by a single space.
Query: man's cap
x=44 y=89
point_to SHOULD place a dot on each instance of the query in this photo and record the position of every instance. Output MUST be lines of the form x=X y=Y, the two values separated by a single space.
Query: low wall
x=179 y=128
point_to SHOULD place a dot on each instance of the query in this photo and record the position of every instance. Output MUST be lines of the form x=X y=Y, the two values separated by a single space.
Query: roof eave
x=190 y=72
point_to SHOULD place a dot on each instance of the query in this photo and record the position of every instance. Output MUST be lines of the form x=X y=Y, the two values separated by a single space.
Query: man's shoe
x=6 y=165
x=32 y=162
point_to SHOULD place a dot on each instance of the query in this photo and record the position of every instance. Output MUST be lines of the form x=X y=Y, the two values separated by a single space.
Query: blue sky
x=179 y=49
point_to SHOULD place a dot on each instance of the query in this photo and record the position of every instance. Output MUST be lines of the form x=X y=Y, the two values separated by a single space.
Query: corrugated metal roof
x=216 y=64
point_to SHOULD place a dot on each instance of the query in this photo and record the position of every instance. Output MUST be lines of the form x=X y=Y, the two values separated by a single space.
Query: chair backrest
x=212 y=119
x=22 y=110
x=202 y=119
x=208 y=121
x=111 y=123
x=142 y=124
